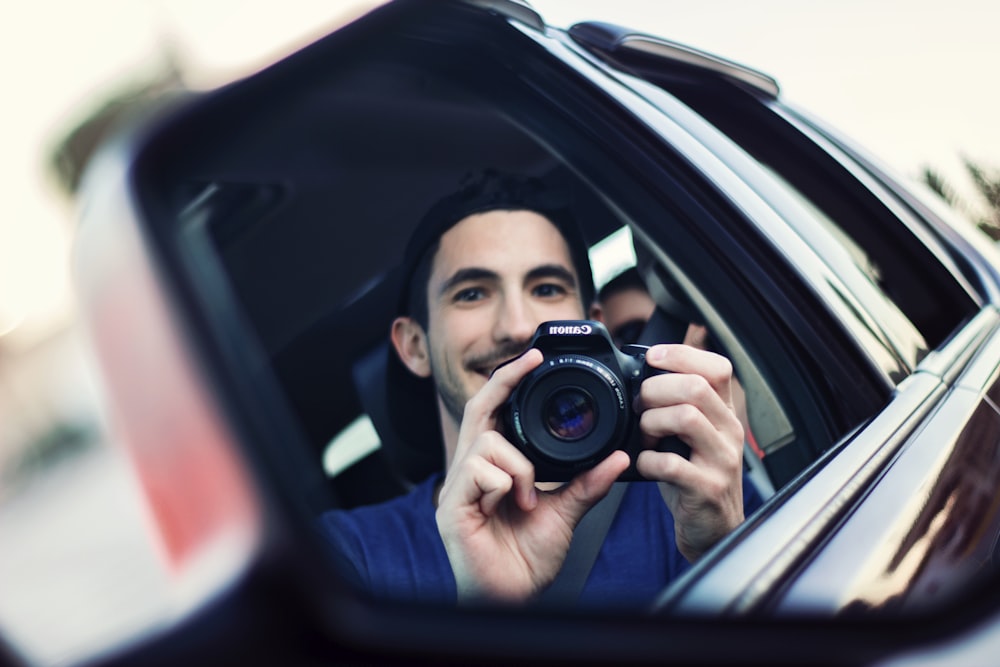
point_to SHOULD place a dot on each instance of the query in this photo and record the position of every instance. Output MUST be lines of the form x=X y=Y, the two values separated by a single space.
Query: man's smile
x=485 y=364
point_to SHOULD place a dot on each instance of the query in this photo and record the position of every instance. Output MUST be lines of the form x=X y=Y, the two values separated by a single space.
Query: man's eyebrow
x=470 y=274
x=556 y=271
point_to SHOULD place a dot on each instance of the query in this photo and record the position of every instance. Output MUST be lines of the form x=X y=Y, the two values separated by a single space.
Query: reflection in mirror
x=402 y=239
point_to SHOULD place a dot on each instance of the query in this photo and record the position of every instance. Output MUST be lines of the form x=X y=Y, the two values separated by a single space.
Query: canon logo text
x=578 y=329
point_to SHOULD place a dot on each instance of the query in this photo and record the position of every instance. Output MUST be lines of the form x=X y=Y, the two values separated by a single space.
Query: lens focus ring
x=570 y=410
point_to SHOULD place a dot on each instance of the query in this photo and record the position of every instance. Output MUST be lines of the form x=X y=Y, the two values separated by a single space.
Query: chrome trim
x=951 y=360
x=903 y=547
x=768 y=550
x=982 y=374
x=855 y=566
x=514 y=10
x=663 y=48
x=762 y=557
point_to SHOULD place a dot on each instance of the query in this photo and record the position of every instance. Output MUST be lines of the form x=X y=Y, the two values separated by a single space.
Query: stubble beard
x=450 y=389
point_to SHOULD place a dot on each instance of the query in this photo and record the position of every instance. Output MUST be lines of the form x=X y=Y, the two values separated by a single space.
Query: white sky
x=915 y=81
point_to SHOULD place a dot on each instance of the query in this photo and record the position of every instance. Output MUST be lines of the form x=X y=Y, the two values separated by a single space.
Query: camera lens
x=569 y=413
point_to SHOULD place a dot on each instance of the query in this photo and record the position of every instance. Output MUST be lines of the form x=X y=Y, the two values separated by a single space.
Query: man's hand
x=504 y=538
x=695 y=403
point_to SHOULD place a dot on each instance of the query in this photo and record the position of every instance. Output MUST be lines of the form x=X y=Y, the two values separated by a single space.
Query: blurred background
x=913 y=81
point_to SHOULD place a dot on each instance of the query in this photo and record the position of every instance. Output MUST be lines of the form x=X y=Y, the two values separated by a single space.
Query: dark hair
x=480 y=192
x=627 y=279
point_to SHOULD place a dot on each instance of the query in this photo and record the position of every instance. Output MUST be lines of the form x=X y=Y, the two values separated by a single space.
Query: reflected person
x=486 y=266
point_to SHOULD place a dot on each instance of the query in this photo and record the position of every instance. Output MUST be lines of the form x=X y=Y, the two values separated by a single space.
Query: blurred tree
x=987 y=183
x=72 y=152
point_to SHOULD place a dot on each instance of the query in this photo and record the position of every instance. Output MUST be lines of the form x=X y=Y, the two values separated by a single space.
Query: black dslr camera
x=572 y=411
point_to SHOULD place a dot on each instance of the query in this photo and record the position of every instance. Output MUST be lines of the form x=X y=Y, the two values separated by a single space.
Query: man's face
x=626 y=312
x=496 y=276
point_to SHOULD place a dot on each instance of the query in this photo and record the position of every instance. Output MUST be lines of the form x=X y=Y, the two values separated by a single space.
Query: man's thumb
x=588 y=488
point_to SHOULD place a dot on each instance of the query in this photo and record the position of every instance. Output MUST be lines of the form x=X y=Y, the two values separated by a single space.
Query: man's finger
x=715 y=368
x=480 y=411
x=492 y=468
x=586 y=489
x=500 y=385
x=685 y=405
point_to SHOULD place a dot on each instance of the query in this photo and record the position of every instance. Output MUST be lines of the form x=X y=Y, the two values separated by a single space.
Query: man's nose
x=517 y=320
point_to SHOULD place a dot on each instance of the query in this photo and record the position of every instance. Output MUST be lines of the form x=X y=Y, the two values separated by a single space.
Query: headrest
x=403 y=410
x=668 y=295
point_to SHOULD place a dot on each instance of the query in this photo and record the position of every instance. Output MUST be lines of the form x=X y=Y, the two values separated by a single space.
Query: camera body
x=574 y=409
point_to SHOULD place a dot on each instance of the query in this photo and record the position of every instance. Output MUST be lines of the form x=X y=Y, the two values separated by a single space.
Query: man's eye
x=550 y=289
x=469 y=294
x=628 y=333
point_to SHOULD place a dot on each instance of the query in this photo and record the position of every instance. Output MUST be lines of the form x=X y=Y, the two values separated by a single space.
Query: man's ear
x=596 y=312
x=410 y=341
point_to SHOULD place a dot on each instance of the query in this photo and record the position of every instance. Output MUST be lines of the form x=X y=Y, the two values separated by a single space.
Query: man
x=488 y=265
x=624 y=306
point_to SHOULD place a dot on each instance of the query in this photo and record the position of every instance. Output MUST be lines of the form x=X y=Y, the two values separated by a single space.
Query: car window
x=899 y=260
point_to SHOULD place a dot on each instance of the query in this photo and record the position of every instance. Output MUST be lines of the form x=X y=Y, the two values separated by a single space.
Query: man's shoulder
x=392 y=548
x=404 y=510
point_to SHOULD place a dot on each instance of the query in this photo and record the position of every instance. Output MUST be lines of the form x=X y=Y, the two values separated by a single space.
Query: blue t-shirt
x=394 y=550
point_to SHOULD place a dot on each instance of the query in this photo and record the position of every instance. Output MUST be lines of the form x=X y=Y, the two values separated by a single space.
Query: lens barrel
x=570 y=411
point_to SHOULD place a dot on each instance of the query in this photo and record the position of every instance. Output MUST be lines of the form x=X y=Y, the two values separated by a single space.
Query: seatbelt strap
x=587 y=540
x=662 y=327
